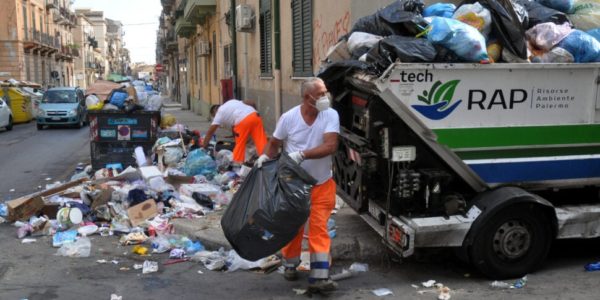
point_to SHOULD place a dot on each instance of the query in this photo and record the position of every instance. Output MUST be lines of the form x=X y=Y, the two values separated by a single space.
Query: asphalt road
x=30 y=158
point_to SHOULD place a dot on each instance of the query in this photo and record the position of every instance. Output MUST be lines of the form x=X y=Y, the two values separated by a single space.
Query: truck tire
x=513 y=242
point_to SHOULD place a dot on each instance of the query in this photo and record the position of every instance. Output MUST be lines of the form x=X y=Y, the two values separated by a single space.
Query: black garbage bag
x=335 y=74
x=506 y=26
x=539 y=13
x=402 y=48
x=272 y=204
x=402 y=17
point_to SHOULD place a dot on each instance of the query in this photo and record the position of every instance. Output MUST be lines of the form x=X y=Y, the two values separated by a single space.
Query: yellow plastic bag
x=167 y=121
x=97 y=106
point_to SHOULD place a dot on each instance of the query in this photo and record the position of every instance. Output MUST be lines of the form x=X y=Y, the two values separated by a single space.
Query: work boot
x=290 y=274
x=322 y=286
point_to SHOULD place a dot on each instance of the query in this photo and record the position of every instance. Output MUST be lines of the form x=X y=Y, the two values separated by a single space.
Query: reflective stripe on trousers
x=319 y=242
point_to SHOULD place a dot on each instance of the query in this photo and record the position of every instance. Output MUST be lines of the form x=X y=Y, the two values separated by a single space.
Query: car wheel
x=10 y=123
x=40 y=126
x=512 y=243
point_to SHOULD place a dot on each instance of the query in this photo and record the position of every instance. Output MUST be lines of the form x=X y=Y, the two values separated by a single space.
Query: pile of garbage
x=137 y=204
x=484 y=31
x=126 y=96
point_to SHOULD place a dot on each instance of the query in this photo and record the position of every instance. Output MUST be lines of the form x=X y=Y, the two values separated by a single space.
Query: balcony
x=59 y=18
x=50 y=4
x=32 y=39
x=196 y=10
x=184 y=28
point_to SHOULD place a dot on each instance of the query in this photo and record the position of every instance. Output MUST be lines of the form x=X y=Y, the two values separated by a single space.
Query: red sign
x=158 y=68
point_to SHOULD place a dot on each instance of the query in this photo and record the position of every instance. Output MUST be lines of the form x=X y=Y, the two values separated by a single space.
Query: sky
x=140 y=23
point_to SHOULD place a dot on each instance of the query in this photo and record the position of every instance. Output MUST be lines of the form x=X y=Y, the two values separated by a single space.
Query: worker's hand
x=258 y=163
x=297 y=156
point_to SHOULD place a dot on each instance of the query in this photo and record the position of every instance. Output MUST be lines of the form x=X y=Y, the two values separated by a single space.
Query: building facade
x=37 y=44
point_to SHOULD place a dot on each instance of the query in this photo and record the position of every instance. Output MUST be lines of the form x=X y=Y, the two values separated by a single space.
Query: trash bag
x=402 y=17
x=494 y=49
x=521 y=13
x=586 y=14
x=445 y=10
x=547 y=35
x=595 y=33
x=334 y=74
x=506 y=26
x=583 y=47
x=269 y=208
x=565 y=6
x=476 y=16
x=405 y=49
x=91 y=100
x=362 y=40
x=118 y=97
x=199 y=163
x=464 y=40
x=538 y=13
x=80 y=248
x=155 y=103
x=167 y=120
x=556 y=55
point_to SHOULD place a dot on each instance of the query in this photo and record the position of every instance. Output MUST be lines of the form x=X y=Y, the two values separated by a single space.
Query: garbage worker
x=309 y=134
x=245 y=122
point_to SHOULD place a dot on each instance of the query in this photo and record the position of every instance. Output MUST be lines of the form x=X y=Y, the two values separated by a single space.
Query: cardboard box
x=142 y=212
x=24 y=207
x=104 y=197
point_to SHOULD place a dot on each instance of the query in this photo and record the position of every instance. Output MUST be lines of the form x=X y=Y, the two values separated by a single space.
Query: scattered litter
x=124 y=269
x=414 y=286
x=102 y=261
x=115 y=297
x=520 y=283
x=444 y=293
x=359 y=267
x=137 y=266
x=382 y=292
x=593 y=267
x=299 y=291
x=428 y=283
x=114 y=262
x=79 y=248
x=500 y=285
x=200 y=272
x=139 y=250
x=150 y=267
x=11 y=190
x=28 y=241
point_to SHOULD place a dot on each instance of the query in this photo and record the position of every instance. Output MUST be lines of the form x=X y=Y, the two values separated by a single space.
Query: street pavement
x=32 y=271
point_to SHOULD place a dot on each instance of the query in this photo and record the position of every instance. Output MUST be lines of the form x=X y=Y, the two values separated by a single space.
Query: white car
x=6 y=118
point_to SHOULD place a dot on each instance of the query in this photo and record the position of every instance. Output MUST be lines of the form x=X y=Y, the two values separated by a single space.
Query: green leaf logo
x=439 y=92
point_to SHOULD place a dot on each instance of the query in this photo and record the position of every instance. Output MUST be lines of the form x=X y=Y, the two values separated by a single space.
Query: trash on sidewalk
x=518 y=284
x=428 y=283
x=79 y=248
x=382 y=292
x=149 y=267
x=443 y=292
x=28 y=241
x=592 y=267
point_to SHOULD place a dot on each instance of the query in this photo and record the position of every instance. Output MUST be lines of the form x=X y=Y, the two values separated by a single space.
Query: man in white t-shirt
x=245 y=122
x=309 y=134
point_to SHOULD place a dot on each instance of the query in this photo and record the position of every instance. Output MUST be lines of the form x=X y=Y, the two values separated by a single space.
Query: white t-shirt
x=232 y=113
x=298 y=136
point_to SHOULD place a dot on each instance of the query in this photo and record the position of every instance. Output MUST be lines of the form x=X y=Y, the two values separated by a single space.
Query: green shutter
x=302 y=38
x=266 y=44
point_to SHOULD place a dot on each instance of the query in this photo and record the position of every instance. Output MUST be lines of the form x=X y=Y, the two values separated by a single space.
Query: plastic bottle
x=500 y=285
x=593 y=267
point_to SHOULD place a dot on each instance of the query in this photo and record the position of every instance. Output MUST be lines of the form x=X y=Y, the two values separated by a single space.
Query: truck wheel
x=512 y=243
x=10 y=123
x=40 y=126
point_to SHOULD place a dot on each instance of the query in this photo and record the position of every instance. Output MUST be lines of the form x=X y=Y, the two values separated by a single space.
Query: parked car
x=62 y=106
x=6 y=118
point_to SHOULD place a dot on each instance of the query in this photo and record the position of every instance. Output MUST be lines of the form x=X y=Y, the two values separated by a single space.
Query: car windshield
x=60 y=97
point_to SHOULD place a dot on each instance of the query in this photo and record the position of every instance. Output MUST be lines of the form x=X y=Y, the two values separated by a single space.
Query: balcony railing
x=37 y=36
x=51 y=4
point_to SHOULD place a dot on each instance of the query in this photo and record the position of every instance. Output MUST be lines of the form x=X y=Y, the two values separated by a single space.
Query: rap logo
x=438 y=100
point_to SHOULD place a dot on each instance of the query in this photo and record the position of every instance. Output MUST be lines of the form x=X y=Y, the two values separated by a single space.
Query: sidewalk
x=355 y=240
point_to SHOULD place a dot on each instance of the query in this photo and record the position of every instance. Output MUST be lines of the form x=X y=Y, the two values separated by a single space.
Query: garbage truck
x=495 y=161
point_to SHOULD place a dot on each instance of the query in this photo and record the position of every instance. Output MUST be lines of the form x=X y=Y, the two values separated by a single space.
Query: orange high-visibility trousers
x=251 y=125
x=319 y=243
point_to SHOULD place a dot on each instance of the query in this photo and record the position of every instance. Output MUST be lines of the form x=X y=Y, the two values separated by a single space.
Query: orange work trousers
x=251 y=125
x=319 y=243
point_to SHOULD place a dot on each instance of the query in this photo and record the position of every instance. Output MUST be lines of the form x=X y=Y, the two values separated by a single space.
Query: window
x=266 y=42
x=25 y=20
x=214 y=56
x=302 y=38
x=227 y=61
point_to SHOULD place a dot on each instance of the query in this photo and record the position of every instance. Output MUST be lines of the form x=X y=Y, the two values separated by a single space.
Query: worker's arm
x=329 y=146
x=211 y=130
x=273 y=147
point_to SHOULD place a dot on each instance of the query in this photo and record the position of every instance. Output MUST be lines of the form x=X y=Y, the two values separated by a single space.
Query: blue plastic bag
x=118 y=98
x=462 y=39
x=565 y=6
x=199 y=163
x=595 y=33
x=445 y=10
x=583 y=47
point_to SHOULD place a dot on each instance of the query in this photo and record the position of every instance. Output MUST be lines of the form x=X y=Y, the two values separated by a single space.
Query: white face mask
x=323 y=103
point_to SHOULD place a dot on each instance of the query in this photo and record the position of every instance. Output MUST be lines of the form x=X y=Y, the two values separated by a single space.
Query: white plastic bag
x=154 y=103
x=556 y=55
x=586 y=14
x=362 y=39
x=80 y=248
x=476 y=16
x=91 y=100
x=236 y=262
x=547 y=35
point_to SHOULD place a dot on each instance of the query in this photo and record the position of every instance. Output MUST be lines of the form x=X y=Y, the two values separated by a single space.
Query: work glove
x=297 y=156
x=258 y=163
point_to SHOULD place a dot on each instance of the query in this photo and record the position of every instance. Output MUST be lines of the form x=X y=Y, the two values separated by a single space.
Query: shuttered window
x=266 y=41
x=302 y=38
